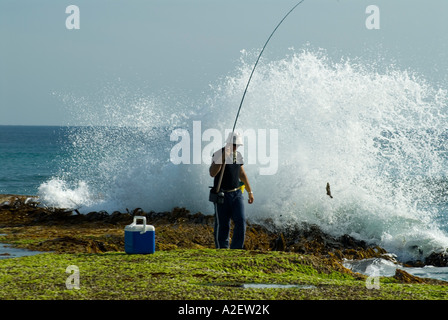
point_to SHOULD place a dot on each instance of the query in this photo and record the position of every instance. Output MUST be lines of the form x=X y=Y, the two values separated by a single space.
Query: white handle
x=144 y=223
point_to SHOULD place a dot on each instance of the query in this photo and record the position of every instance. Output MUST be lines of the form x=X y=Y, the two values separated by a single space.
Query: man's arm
x=217 y=161
x=243 y=177
x=214 y=169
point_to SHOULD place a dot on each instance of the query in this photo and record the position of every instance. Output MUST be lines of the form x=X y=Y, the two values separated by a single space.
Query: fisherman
x=232 y=207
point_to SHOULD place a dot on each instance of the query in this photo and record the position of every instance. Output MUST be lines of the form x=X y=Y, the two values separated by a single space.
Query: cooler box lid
x=142 y=228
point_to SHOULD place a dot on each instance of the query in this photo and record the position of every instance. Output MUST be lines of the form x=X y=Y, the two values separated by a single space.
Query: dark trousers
x=231 y=209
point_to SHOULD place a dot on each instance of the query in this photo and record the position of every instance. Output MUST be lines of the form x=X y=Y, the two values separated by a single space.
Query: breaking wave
x=375 y=133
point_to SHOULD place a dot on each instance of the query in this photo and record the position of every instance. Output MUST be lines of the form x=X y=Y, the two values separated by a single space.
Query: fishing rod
x=258 y=59
x=248 y=82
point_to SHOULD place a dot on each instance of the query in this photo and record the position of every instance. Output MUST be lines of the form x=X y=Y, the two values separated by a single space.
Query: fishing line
x=247 y=85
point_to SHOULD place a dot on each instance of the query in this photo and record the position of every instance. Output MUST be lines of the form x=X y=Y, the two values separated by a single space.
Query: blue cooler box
x=139 y=238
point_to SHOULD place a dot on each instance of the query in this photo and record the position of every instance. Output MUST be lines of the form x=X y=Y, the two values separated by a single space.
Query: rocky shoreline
x=25 y=224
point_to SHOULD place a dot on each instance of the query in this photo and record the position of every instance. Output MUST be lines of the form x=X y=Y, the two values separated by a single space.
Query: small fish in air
x=328 y=190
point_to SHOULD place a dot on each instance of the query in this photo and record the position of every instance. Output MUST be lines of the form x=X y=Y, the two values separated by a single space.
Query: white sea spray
x=375 y=133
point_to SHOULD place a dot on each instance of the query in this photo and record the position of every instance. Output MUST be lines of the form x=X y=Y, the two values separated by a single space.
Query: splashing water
x=375 y=133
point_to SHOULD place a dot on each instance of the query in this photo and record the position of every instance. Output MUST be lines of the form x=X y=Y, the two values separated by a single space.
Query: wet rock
x=437 y=259
x=4 y=205
x=405 y=277
x=310 y=239
x=279 y=243
x=138 y=212
x=116 y=217
x=94 y=216
x=177 y=228
x=415 y=264
x=69 y=244
x=351 y=243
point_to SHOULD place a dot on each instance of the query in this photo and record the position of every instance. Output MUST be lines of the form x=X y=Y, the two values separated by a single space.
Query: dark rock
x=94 y=215
x=414 y=264
x=437 y=259
x=180 y=228
x=351 y=243
x=115 y=217
x=72 y=244
x=405 y=277
x=138 y=212
x=279 y=243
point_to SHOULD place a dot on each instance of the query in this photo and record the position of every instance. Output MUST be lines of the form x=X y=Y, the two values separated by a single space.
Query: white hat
x=235 y=138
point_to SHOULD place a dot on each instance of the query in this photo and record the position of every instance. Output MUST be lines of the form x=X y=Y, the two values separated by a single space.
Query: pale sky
x=182 y=46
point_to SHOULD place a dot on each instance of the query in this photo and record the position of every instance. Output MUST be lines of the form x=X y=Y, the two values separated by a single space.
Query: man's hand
x=251 y=197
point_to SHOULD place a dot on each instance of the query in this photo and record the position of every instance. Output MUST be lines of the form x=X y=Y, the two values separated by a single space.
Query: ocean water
x=377 y=134
x=7 y=252
x=29 y=156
